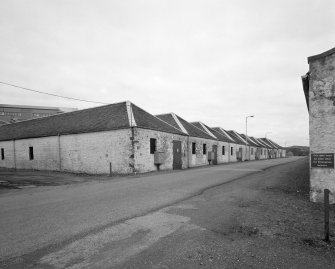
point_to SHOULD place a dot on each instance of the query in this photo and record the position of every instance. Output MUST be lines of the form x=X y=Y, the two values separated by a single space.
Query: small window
x=193 y=148
x=252 y=151
x=231 y=151
x=152 y=145
x=204 y=149
x=2 y=154
x=31 y=153
x=223 y=150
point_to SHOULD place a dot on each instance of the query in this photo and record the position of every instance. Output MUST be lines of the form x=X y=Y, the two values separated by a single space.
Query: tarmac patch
x=116 y=244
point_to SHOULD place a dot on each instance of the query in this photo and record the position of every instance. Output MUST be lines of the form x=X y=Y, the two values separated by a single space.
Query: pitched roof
x=256 y=141
x=183 y=125
x=237 y=137
x=260 y=141
x=225 y=134
x=267 y=142
x=249 y=141
x=97 y=119
x=204 y=128
x=219 y=135
x=148 y=121
x=274 y=143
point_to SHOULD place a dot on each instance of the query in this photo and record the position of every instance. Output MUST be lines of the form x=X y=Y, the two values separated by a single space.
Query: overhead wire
x=52 y=94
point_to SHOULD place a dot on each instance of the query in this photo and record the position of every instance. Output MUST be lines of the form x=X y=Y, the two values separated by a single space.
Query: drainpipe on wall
x=14 y=154
x=59 y=154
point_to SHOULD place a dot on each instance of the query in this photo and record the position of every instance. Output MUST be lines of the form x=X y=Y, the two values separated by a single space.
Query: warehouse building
x=319 y=89
x=233 y=146
x=117 y=138
x=15 y=113
x=242 y=151
x=272 y=152
x=199 y=142
x=221 y=148
x=252 y=148
x=262 y=146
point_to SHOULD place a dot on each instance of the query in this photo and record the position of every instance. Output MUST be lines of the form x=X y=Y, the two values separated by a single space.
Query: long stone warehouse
x=122 y=138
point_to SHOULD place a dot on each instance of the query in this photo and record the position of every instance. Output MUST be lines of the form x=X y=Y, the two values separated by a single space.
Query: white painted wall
x=84 y=153
x=45 y=150
x=8 y=147
x=144 y=161
x=93 y=152
x=223 y=158
x=199 y=158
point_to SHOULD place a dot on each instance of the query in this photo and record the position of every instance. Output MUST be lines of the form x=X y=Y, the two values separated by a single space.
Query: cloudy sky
x=209 y=61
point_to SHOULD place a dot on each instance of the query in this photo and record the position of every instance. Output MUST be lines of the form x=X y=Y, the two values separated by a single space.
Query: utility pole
x=246 y=136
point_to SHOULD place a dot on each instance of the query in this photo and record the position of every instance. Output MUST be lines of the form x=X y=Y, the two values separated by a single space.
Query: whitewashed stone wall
x=252 y=152
x=223 y=158
x=232 y=157
x=263 y=153
x=322 y=123
x=8 y=147
x=85 y=153
x=199 y=158
x=94 y=152
x=144 y=161
x=45 y=150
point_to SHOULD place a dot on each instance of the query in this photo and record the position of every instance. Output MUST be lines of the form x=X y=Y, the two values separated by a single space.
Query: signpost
x=322 y=160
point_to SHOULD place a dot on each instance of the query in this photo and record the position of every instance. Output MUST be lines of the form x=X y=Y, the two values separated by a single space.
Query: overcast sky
x=209 y=61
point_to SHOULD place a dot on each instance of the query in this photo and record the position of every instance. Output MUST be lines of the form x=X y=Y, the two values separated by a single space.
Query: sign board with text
x=322 y=160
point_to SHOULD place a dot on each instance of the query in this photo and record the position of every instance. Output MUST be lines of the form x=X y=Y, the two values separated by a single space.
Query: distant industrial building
x=319 y=89
x=15 y=113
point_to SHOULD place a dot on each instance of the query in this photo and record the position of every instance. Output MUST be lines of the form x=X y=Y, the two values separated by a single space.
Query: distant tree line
x=297 y=151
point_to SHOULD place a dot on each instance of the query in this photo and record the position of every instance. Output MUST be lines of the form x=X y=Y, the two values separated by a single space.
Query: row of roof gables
x=119 y=116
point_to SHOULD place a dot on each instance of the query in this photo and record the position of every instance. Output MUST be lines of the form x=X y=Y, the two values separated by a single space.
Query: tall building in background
x=319 y=89
x=15 y=113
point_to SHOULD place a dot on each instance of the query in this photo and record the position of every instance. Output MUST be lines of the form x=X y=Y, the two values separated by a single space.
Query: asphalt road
x=51 y=222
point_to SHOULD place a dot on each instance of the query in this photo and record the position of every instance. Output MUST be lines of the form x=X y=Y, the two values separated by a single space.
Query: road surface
x=49 y=222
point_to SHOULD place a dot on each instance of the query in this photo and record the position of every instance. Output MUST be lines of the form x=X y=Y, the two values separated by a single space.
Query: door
x=240 y=153
x=215 y=151
x=177 y=155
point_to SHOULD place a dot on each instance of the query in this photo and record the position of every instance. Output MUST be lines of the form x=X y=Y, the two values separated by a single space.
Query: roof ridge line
x=130 y=114
x=225 y=132
x=199 y=128
x=208 y=131
x=174 y=116
x=164 y=121
x=239 y=136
